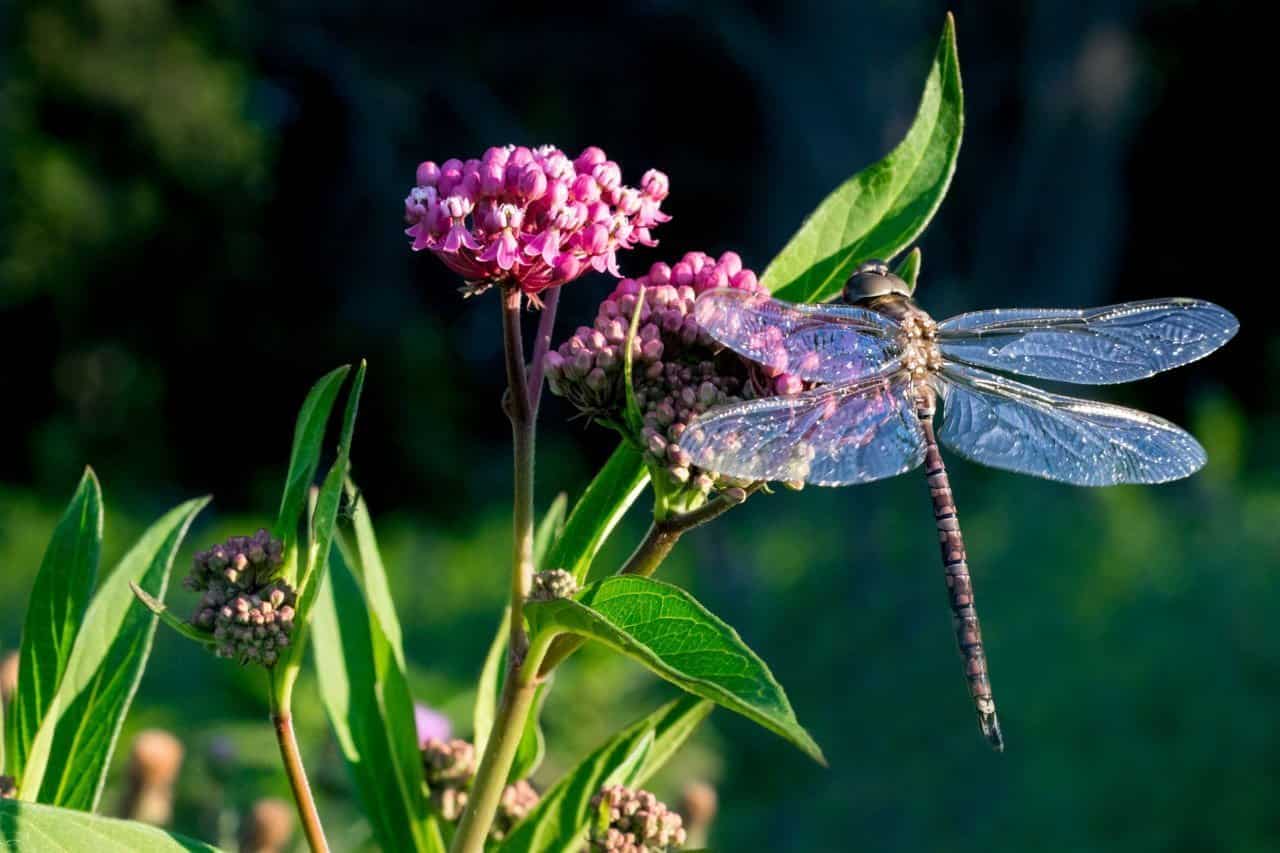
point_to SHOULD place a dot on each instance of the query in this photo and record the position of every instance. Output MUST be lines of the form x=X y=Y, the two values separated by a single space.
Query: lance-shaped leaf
x=304 y=458
x=324 y=520
x=630 y=757
x=882 y=209
x=598 y=511
x=664 y=628
x=55 y=613
x=489 y=686
x=184 y=628
x=69 y=756
x=549 y=530
x=366 y=697
x=908 y=269
x=33 y=828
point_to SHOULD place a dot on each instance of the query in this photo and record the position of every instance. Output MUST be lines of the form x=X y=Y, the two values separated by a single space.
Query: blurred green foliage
x=179 y=177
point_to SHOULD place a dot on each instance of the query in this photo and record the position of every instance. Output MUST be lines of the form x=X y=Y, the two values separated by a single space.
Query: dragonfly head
x=873 y=279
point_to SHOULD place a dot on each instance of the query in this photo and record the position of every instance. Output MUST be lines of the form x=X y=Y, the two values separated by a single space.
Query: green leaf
x=664 y=628
x=532 y=747
x=882 y=209
x=34 y=828
x=55 y=613
x=157 y=607
x=676 y=724
x=366 y=697
x=368 y=558
x=908 y=269
x=630 y=757
x=304 y=458
x=489 y=686
x=549 y=529
x=69 y=756
x=598 y=511
x=324 y=522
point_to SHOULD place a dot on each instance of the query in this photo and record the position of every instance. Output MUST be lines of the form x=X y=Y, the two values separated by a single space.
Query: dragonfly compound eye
x=873 y=279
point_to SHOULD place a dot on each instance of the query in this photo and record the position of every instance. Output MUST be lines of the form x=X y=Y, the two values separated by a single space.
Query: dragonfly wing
x=1005 y=424
x=1096 y=346
x=830 y=436
x=819 y=343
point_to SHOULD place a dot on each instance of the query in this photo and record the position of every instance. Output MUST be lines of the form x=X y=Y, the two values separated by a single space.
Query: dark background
x=201 y=212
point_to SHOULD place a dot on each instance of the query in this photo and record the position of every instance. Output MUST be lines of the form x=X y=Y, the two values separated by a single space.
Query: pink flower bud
x=607 y=175
x=428 y=174
x=593 y=239
x=589 y=157
x=596 y=379
x=585 y=189
x=655 y=184
x=497 y=155
x=533 y=183
x=491 y=178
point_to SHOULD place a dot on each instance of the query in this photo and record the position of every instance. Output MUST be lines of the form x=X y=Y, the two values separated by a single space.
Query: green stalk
x=521 y=682
x=282 y=722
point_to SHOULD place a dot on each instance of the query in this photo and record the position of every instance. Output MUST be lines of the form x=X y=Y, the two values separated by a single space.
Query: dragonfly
x=879 y=366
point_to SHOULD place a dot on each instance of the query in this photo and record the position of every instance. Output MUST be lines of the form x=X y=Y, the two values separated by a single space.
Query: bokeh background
x=200 y=212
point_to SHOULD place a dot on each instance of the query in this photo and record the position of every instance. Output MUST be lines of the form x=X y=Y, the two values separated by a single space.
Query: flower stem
x=282 y=721
x=521 y=681
x=518 y=691
x=520 y=409
x=541 y=345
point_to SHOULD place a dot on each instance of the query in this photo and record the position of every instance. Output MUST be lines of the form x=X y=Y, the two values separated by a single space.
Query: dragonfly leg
x=964 y=615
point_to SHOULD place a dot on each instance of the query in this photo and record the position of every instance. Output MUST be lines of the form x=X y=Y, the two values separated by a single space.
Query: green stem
x=520 y=684
x=520 y=410
x=282 y=722
x=518 y=691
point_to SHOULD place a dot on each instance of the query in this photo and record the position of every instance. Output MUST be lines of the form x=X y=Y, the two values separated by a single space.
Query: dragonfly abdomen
x=964 y=615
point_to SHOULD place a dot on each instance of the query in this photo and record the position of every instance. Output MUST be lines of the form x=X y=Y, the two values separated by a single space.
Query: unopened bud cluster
x=637 y=823
x=678 y=370
x=248 y=613
x=553 y=584
x=450 y=766
x=535 y=217
x=242 y=562
x=518 y=799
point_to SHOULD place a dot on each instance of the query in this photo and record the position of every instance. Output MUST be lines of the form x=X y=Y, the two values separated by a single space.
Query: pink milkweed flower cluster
x=678 y=370
x=531 y=216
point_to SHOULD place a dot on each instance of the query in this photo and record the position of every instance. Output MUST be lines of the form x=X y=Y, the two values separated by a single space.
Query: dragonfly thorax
x=921 y=355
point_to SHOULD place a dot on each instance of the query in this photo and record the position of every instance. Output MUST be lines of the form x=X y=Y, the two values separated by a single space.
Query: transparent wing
x=830 y=436
x=1094 y=346
x=1005 y=424
x=818 y=343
